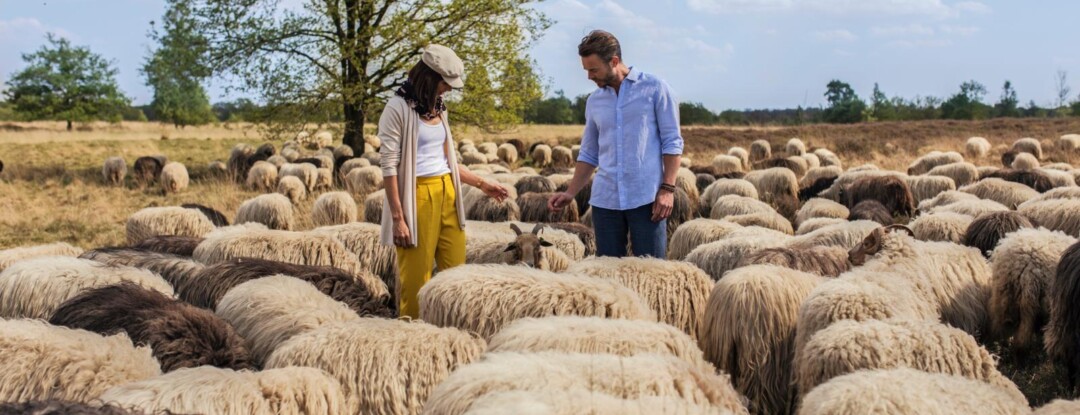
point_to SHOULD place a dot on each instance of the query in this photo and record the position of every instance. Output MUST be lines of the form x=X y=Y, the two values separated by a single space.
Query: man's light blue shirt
x=626 y=137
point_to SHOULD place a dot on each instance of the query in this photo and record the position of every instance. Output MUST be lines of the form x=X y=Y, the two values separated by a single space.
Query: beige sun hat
x=446 y=63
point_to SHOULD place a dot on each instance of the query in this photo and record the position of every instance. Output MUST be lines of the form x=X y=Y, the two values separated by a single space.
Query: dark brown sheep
x=170 y=244
x=682 y=211
x=58 y=407
x=871 y=210
x=179 y=334
x=173 y=268
x=891 y=191
x=825 y=261
x=216 y=217
x=534 y=208
x=520 y=146
x=811 y=190
x=1030 y=178
x=1063 y=330
x=797 y=168
x=988 y=229
x=210 y=284
x=534 y=184
x=314 y=161
x=146 y=170
x=266 y=150
x=1008 y=157
x=1 y=166
x=703 y=180
x=584 y=233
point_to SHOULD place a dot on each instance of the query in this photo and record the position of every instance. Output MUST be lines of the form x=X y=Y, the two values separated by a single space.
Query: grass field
x=53 y=191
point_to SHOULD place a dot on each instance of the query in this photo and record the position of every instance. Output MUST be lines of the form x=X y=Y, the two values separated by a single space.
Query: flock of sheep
x=791 y=285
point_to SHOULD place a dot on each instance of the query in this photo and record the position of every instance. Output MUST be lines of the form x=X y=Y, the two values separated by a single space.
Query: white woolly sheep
x=955 y=279
x=373 y=206
x=924 y=164
x=749 y=331
x=775 y=184
x=1069 y=142
x=262 y=176
x=864 y=167
x=277 y=160
x=845 y=180
x=630 y=377
x=270 y=310
x=43 y=362
x=1058 y=407
x=973 y=208
x=724 y=187
x=1024 y=265
x=167 y=220
x=362 y=239
x=909 y=392
x=941 y=227
x=928 y=187
x=1025 y=161
x=675 y=290
x=217 y=168
x=1028 y=145
x=372 y=140
x=325 y=178
x=567 y=242
x=350 y=164
x=114 y=170
x=174 y=177
x=729 y=205
x=845 y=235
x=541 y=155
x=985 y=171
x=977 y=147
x=473 y=158
x=13 y=255
x=812 y=160
x=211 y=390
x=795 y=147
x=742 y=154
x=1055 y=214
x=595 y=335
x=488 y=247
x=717 y=258
x=333 y=208
x=508 y=153
x=1010 y=194
x=34 y=288
x=292 y=188
x=306 y=172
x=723 y=163
x=768 y=220
x=820 y=208
x=848 y=346
x=175 y=269
x=828 y=158
x=578 y=401
x=760 y=150
x=290 y=154
x=562 y=157
x=817 y=173
x=1056 y=193
x=302 y=248
x=468 y=296
x=1058 y=178
x=695 y=233
x=962 y=173
x=684 y=162
x=409 y=358
x=814 y=224
x=945 y=198
x=272 y=209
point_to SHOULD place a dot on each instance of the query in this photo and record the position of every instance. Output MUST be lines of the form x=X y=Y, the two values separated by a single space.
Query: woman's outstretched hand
x=494 y=190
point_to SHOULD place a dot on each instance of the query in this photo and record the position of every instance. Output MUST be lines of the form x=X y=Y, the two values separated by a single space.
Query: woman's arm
x=494 y=190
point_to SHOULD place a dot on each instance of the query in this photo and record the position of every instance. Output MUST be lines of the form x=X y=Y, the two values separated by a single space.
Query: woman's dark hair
x=425 y=82
x=600 y=43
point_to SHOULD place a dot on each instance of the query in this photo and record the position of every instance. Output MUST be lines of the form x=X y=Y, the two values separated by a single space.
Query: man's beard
x=608 y=80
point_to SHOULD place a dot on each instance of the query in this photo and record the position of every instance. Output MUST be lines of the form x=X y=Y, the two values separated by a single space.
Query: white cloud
x=908 y=30
x=837 y=35
x=933 y=8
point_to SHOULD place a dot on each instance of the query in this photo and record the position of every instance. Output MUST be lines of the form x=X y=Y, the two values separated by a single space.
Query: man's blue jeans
x=647 y=238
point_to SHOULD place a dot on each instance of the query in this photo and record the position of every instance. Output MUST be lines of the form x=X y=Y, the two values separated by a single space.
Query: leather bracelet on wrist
x=667 y=187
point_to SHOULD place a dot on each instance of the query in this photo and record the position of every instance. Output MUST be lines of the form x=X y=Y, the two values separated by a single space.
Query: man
x=632 y=136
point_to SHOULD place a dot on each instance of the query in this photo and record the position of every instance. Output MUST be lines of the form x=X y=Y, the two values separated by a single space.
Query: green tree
x=844 y=105
x=65 y=82
x=356 y=52
x=553 y=110
x=881 y=107
x=1008 y=105
x=175 y=70
x=579 y=108
x=966 y=104
x=691 y=113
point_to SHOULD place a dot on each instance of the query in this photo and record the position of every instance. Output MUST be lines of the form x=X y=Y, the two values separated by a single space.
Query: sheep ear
x=517 y=230
x=510 y=247
x=537 y=228
x=901 y=227
x=545 y=243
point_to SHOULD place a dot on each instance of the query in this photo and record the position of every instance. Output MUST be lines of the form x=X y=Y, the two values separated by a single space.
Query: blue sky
x=723 y=53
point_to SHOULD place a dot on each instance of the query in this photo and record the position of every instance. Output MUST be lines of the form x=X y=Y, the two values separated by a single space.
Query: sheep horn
x=517 y=230
x=536 y=229
x=902 y=227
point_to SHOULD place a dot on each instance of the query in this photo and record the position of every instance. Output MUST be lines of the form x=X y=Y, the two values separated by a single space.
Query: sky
x=726 y=54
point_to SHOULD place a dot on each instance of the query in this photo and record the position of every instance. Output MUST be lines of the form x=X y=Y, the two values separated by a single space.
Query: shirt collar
x=633 y=75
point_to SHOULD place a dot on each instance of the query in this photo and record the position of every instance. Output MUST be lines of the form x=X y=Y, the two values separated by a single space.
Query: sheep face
x=527 y=248
x=873 y=244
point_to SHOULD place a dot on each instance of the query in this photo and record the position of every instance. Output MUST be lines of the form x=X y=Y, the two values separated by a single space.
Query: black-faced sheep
x=147 y=170
x=988 y=229
x=891 y=191
x=216 y=217
x=871 y=210
x=43 y=361
x=179 y=334
x=1063 y=330
x=629 y=377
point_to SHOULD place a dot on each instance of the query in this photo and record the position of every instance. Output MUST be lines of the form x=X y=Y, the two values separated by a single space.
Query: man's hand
x=559 y=201
x=661 y=209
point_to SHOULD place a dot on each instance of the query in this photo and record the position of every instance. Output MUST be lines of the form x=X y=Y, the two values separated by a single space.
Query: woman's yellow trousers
x=439 y=239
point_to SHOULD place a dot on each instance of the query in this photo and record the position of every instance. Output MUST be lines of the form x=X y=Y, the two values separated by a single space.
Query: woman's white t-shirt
x=430 y=154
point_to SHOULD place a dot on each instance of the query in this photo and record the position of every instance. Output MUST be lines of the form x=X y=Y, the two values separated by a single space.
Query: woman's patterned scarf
x=407 y=92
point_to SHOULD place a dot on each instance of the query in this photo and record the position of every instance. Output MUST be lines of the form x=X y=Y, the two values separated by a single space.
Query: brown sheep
x=534 y=209
x=584 y=233
x=180 y=335
x=147 y=169
x=1063 y=330
x=988 y=229
x=170 y=244
x=216 y=217
x=871 y=210
x=891 y=191
x=1030 y=178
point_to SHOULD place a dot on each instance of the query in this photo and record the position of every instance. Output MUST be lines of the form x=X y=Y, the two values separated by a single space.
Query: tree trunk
x=69 y=125
x=354 y=128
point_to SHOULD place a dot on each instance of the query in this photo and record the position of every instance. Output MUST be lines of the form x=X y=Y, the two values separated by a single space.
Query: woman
x=422 y=215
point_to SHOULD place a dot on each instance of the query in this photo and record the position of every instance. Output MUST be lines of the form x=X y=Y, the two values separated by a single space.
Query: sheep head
x=873 y=244
x=526 y=248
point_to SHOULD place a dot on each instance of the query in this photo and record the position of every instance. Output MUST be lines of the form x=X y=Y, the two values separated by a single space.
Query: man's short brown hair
x=601 y=44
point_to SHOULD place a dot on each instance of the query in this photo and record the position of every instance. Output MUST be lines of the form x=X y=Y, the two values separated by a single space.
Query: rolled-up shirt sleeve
x=667 y=119
x=590 y=143
x=390 y=126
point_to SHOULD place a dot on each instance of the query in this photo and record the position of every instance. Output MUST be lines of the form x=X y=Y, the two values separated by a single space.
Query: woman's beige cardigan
x=399 y=131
